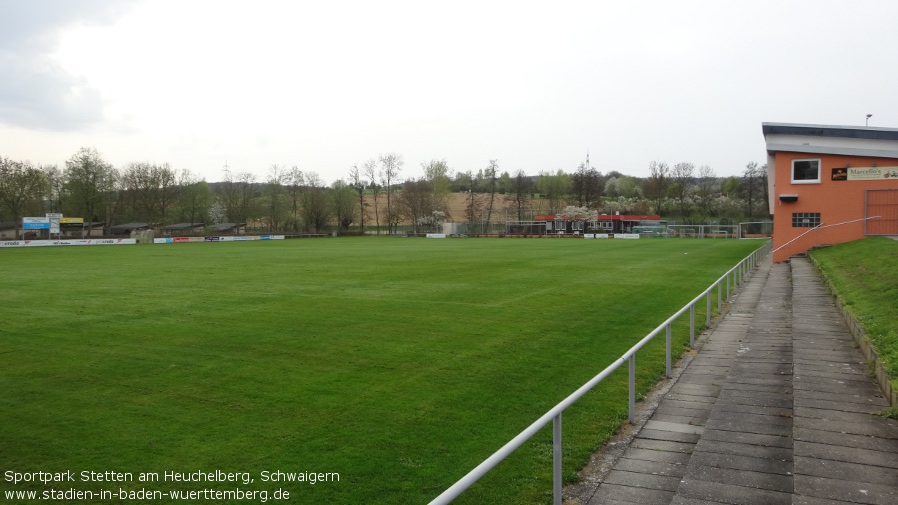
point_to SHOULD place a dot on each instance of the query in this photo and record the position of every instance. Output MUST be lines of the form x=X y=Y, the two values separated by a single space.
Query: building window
x=806 y=171
x=805 y=219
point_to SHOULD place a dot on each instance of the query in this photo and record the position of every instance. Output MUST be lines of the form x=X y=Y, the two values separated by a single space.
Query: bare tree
x=706 y=189
x=416 y=201
x=656 y=185
x=682 y=180
x=314 y=207
x=168 y=188
x=472 y=205
x=356 y=182
x=246 y=182
x=194 y=197
x=274 y=191
x=391 y=165
x=56 y=179
x=228 y=196
x=491 y=175
x=752 y=186
x=521 y=186
x=586 y=186
x=296 y=182
x=373 y=175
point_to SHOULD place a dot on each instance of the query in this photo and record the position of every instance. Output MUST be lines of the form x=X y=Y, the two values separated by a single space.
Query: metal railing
x=738 y=273
x=822 y=226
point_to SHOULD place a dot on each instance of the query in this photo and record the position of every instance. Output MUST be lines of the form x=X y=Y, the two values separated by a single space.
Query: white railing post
x=556 y=459
x=632 y=389
x=708 y=313
x=667 y=353
x=719 y=296
x=692 y=326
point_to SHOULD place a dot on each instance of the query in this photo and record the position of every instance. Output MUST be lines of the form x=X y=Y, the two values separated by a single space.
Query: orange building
x=830 y=184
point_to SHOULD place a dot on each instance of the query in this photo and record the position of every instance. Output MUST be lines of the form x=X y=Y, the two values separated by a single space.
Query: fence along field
x=398 y=364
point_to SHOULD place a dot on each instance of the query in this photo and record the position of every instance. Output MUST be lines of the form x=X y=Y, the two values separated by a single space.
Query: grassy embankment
x=398 y=363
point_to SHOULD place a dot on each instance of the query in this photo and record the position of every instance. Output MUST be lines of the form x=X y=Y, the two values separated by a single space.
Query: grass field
x=864 y=274
x=398 y=363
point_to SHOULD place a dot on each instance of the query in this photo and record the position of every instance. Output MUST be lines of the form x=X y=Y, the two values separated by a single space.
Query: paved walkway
x=776 y=408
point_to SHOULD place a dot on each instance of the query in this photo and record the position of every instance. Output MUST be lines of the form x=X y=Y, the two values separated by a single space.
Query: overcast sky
x=324 y=85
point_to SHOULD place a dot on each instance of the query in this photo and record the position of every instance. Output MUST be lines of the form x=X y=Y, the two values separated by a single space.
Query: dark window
x=805 y=219
x=805 y=171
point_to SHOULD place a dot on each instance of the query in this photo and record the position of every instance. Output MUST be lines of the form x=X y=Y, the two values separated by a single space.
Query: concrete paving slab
x=731 y=494
x=829 y=414
x=644 y=480
x=610 y=492
x=843 y=406
x=848 y=396
x=680 y=458
x=742 y=476
x=738 y=462
x=851 y=454
x=849 y=471
x=742 y=449
x=815 y=434
x=852 y=492
x=680 y=500
x=696 y=421
x=742 y=427
x=816 y=500
x=670 y=436
x=662 y=445
x=749 y=420
x=651 y=467
x=653 y=424
x=684 y=404
x=755 y=398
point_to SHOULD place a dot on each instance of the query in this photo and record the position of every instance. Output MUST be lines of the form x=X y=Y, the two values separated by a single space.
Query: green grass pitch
x=399 y=364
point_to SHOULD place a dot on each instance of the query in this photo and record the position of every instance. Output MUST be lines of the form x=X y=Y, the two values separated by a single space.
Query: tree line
x=373 y=196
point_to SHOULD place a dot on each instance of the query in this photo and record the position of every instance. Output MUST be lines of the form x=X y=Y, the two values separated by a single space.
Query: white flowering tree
x=574 y=213
x=432 y=222
x=578 y=216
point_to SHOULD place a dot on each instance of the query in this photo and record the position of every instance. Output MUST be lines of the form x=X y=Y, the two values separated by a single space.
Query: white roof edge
x=830 y=126
x=848 y=151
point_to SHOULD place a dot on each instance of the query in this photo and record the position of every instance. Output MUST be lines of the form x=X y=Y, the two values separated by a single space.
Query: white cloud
x=324 y=85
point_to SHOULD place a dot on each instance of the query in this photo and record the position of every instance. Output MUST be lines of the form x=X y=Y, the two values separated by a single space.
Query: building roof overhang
x=838 y=140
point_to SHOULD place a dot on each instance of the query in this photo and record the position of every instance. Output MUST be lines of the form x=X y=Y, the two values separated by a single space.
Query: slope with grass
x=398 y=363
x=864 y=274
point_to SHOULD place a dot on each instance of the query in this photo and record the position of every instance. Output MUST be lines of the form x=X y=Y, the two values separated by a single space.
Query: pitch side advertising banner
x=240 y=238
x=48 y=243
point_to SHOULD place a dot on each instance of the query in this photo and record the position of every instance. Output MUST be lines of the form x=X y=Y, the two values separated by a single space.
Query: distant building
x=181 y=228
x=830 y=184
x=127 y=228
x=229 y=228
x=552 y=224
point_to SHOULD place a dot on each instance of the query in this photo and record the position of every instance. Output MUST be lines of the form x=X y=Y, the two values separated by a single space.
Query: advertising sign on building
x=872 y=173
